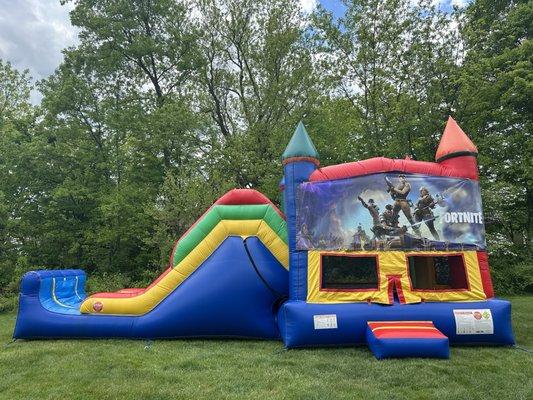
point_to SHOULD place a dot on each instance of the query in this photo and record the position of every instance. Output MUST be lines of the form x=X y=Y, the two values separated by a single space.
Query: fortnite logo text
x=463 y=217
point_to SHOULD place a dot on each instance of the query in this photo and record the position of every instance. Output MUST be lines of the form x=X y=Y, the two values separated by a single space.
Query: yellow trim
x=315 y=295
x=393 y=263
x=145 y=302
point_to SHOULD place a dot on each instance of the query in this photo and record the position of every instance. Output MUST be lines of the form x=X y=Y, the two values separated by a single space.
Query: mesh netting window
x=437 y=273
x=349 y=273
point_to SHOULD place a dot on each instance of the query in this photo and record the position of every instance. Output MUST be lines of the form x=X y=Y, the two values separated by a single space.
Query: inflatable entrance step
x=400 y=339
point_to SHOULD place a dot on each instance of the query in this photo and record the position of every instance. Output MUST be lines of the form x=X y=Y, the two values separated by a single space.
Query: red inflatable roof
x=382 y=164
x=455 y=158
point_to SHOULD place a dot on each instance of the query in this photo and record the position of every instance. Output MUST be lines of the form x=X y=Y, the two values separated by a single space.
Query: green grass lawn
x=199 y=369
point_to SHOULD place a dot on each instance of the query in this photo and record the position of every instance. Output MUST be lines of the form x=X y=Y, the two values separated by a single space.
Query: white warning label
x=473 y=322
x=328 y=321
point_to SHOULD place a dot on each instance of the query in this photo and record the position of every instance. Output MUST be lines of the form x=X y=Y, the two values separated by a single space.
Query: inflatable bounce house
x=389 y=253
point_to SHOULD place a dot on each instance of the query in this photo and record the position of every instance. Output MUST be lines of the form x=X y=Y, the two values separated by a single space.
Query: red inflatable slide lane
x=131 y=292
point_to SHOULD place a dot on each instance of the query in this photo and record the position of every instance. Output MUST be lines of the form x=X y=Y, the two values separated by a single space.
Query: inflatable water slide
x=227 y=275
x=385 y=252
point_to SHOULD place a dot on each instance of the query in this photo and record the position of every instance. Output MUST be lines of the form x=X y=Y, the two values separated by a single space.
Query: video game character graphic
x=336 y=233
x=423 y=211
x=389 y=218
x=399 y=194
x=360 y=238
x=390 y=222
x=373 y=209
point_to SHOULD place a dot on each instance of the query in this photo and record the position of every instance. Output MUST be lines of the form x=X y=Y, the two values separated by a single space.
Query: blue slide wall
x=225 y=297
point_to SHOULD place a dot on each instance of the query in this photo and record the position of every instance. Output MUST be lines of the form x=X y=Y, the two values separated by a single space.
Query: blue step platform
x=402 y=339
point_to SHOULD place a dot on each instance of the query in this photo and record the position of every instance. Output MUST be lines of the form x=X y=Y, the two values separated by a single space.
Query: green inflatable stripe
x=229 y=212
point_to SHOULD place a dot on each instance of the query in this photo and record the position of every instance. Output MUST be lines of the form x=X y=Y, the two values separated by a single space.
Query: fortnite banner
x=390 y=211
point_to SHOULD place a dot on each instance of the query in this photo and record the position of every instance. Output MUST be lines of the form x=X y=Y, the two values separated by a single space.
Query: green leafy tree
x=497 y=109
x=395 y=64
x=258 y=81
x=164 y=105
x=16 y=121
x=117 y=118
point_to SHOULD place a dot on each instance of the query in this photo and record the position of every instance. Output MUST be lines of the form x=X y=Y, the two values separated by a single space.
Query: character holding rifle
x=399 y=195
x=423 y=211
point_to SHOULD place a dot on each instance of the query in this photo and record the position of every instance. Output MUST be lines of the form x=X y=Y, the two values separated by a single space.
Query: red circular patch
x=98 y=306
x=477 y=315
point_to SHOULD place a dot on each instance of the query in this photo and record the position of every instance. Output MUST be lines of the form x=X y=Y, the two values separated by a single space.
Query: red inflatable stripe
x=405 y=330
x=130 y=290
x=245 y=197
x=486 y=280
x=113 y=295
x=464 y=169
x=409 y=334
x=395 y=324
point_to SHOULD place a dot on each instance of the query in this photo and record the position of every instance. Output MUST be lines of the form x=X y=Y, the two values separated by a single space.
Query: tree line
x=164 y=105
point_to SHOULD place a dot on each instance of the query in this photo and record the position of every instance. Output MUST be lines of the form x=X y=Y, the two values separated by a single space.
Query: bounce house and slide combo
x=388 y=253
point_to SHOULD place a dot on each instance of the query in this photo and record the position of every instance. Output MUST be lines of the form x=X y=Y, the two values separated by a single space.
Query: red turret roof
x=454 y=142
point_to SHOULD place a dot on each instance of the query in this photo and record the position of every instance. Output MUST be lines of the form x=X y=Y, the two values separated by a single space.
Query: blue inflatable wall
x=226 y=297
x=296 y=321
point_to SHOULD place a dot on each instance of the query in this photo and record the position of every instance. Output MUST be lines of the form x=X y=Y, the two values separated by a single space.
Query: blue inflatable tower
x=300 y=159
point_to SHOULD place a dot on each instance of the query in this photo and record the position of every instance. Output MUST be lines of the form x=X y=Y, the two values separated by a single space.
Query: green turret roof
x=300 y=144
